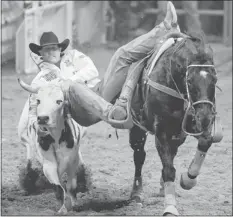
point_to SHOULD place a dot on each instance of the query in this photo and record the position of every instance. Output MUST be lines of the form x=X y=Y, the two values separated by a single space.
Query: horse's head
x=194 y=74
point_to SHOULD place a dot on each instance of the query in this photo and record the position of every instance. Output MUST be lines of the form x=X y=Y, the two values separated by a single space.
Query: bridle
x=187 y=89
x=191 y=104
x=176 y=93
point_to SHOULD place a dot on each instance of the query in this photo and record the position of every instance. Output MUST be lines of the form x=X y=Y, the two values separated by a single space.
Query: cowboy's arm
x=43 y=77
x=38 y=81
x=84 y=66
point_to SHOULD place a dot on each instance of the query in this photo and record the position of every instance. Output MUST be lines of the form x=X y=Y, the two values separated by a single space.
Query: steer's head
x=50 y=103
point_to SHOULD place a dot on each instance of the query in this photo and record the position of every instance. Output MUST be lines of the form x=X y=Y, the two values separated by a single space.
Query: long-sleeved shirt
x=74 y=65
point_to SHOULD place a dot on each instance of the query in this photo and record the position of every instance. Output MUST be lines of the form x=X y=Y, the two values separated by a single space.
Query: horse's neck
x=165 y=77
x=161 y=76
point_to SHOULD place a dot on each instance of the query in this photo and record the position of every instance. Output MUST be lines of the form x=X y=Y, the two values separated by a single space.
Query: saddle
x=129 y=88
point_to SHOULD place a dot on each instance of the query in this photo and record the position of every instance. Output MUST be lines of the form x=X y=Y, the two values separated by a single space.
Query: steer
x=55 y=137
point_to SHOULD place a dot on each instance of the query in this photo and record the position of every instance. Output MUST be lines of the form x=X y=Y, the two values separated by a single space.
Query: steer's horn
x=28 y=87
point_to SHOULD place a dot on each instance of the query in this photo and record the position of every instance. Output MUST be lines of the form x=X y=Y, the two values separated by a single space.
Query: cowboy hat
x=48 y=38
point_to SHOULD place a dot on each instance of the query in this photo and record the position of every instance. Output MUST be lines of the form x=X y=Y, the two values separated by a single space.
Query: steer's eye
x=38 y=101
x=59 y=102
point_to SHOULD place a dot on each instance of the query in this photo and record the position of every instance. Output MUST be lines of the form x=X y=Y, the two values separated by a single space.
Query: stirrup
x=121 y=124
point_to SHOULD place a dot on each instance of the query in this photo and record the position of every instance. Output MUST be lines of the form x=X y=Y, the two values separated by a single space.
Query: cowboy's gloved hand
x=66 y=84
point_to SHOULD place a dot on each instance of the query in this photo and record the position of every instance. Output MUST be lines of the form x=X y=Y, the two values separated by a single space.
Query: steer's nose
x=42 y=119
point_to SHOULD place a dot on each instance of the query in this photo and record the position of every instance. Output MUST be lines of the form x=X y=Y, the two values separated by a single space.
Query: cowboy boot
x=86 y=106
x=123 y=103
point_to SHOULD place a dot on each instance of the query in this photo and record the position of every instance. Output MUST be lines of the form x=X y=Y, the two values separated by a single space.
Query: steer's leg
x=137 y=141
x=76 y=177
x=167 y=150
x=63 y=209
x=59 y=193
x=189 y=179
x=71 y=187
x=28 y=175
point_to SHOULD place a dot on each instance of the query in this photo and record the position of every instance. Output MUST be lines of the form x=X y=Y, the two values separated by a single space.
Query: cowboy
x=54 y=63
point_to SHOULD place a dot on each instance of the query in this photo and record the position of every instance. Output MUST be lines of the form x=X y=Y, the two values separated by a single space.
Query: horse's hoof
x=136 y=198
x=187 y=183
x=217 y=131
x=217 y=137
x=136 y=194
x=136 y=201
x=170 y=211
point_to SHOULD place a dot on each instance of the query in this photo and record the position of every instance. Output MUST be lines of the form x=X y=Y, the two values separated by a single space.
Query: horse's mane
x=196 y=48
x=199 y=41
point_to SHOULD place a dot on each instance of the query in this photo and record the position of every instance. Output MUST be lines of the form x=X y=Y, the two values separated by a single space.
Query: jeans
x=135 y=50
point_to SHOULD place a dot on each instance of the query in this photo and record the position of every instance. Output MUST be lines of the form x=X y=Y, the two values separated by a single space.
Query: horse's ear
x=209 y=51
x=171 y=16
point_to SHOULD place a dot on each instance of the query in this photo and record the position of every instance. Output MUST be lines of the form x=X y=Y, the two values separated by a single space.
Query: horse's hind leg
x=189 y=179
x=167 y=151
x=137 y=139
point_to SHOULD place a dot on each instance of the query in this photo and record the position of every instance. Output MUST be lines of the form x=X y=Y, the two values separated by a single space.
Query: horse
x=175 y=98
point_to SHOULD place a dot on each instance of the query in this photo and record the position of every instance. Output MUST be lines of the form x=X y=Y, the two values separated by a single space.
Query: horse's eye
x=180 y=65
x=38 y=101
x=59 y=102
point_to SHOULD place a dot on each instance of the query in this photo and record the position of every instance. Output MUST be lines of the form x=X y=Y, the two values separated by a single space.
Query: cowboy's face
x=51 y=53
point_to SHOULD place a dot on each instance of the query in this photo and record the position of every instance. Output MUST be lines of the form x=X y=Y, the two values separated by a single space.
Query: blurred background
x=105 y=24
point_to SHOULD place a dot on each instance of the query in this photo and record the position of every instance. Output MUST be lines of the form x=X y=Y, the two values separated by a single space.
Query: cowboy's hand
x=65 y=85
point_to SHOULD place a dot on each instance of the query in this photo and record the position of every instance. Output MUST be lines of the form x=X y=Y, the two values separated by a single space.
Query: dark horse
x=176 y=99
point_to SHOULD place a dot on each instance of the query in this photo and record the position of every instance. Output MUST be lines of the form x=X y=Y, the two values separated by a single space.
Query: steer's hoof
x=187 y=183
x=170 y=211
x=63 y=210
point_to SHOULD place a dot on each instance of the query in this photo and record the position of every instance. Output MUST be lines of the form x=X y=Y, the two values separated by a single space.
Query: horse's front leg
x=167 y=151
x=189 y=179
x=137 y=139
